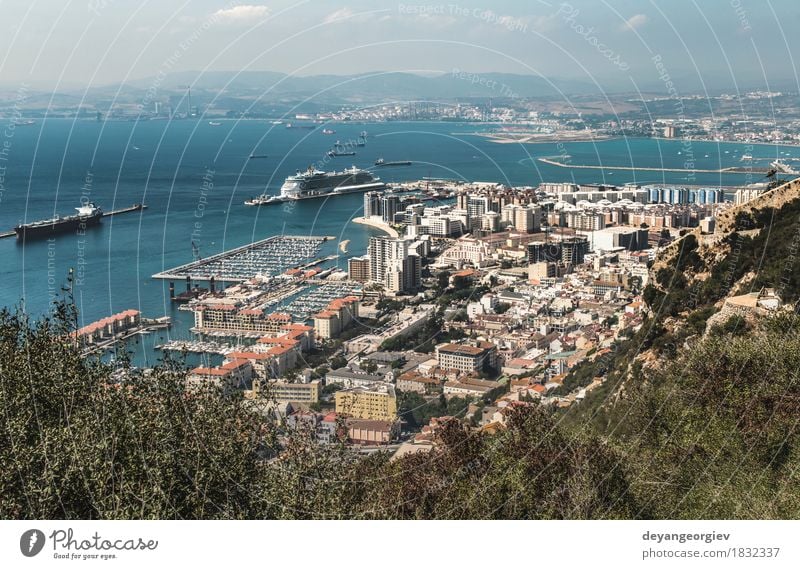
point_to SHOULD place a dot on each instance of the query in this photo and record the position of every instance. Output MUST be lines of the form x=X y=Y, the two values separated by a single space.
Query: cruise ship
x=87 y=215
x=317 y=184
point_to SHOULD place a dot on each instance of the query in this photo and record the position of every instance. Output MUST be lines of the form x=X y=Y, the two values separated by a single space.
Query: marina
x=196 y=347
x=268 y=257
x=306 y=304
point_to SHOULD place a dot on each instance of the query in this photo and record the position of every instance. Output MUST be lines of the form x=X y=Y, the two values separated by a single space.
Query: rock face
x=776 y=198
x=712 y=247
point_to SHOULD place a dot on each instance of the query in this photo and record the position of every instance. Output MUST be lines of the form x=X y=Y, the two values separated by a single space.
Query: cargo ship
x=317 y=184
x=382 y=162
x=87 y=215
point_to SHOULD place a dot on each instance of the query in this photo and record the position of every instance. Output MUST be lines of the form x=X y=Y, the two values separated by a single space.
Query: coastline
x=531 y=138
x=741 y=142
x=380 y=225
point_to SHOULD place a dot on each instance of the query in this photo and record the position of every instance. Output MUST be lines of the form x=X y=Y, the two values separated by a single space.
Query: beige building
x=233 y=374
x=339 y=314
x=372 y=432
x=416 y=382
x=377 y=401
x=762 y=302
x=285 y=392
x=228 y=317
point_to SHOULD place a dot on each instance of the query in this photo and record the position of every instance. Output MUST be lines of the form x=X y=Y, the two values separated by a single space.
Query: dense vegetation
x=712 y=435
x=76 y=444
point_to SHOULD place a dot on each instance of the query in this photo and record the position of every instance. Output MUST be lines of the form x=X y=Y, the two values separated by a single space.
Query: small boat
x=214 y=123
x=263 y=199
x=328 y=131
x=254 y=156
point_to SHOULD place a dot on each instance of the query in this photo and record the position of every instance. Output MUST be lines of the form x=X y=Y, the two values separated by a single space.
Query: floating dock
x=268 y=257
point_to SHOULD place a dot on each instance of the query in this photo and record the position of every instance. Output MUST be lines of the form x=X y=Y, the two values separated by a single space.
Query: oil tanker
x=87 y=215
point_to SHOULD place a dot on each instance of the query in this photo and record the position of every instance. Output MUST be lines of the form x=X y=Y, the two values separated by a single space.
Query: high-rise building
x=383 y=251
x=573 y=250
x=477 y=206
x=540 y=252
x=358 y=268
x=586 y=220
x=372 y=204
x=390 y=203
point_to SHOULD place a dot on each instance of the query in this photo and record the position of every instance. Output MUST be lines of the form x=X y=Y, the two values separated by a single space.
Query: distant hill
x=377 y=86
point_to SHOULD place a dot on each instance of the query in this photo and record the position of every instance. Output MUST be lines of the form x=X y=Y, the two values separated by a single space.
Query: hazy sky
x=613 y=42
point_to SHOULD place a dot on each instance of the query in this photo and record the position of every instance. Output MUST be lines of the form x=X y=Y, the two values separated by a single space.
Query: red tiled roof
x=249 y=355
x=279 y=350
x=298 y=327
x=280 y=316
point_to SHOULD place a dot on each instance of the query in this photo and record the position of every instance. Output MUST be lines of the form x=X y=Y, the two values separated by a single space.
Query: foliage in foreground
x=712 y=435
x=75 y=444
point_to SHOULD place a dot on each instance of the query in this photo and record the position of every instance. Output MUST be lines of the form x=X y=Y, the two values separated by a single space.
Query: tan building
x=339 y=314
x=358 y=268
x=285 y=392
x=108 y=327
x=469 y=387
x=543 y=270
x=233 y=374
x=372 y=432
x=228 y=317
x=416 y=382
x=762 y=302
x=377 y=401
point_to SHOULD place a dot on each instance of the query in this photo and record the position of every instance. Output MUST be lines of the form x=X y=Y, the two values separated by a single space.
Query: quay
x=134 y=207
x=94 y=343
x=729 y=170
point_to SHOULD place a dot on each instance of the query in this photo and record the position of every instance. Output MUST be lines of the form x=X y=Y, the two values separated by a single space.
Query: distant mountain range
x=371 y=86
x=239 y=90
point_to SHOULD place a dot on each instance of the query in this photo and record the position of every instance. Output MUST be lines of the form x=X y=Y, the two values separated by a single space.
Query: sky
x=624 y=44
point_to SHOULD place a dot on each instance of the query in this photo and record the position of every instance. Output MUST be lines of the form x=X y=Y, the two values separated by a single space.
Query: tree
x=502 y=307
x=442 y=281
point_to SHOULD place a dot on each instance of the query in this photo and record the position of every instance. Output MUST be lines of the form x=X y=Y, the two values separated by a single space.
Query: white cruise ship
x=316 y=184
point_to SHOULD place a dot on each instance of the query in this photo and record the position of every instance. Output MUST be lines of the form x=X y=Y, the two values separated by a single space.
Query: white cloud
x=241 y=14
x=346 y=14
x=634 y=22
x=341 y=14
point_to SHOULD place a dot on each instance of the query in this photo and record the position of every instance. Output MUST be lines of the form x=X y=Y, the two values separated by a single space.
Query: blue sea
x=194 y=176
